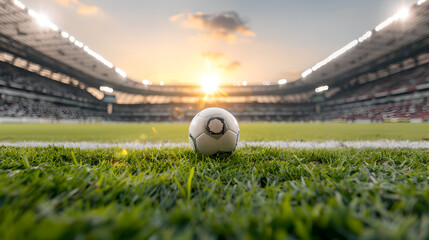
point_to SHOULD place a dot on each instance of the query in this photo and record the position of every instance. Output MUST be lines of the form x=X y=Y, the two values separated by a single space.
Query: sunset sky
x=244 y=40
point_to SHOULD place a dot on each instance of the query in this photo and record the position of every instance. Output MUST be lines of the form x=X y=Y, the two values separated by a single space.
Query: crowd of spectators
x=400 y=96
x=399 y=83
x=40 y=97
x=185 y=112
x=23 y=107
x=407 y=110
x=47 y=98
x=20 y=79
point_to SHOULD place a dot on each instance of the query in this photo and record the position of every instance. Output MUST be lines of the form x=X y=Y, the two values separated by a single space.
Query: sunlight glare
x=210 y=83
x=404 y=13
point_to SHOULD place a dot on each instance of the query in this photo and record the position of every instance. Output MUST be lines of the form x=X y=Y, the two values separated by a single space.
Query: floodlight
x=43 y=20
x=106 y=89
x=19 y=4
x=121 y=72
x=321 y=89
x=330 y=58
x=307 y=72
x=65 y=34
x=365 y=36
x=98 y=57
x=404 y=13
x=146 y=82
x=78 y=44
x=282 y=81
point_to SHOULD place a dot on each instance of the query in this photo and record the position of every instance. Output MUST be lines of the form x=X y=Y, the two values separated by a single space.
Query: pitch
x=178 y=132
x=259 y=192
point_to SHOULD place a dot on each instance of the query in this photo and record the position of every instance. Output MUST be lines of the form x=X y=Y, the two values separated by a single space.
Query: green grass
x=173 y=132
x=257 y=193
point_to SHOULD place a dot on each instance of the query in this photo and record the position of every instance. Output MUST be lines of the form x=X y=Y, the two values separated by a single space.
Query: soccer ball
x=214 y=132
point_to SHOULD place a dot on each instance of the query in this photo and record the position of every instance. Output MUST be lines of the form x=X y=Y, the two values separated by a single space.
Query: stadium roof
x=30 y=36
x=403 y=35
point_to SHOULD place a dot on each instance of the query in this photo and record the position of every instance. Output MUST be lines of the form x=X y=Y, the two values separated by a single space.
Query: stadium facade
x=46 y=73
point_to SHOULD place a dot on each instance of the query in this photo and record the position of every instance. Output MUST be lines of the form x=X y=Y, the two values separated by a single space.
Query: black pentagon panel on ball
x=216 y=126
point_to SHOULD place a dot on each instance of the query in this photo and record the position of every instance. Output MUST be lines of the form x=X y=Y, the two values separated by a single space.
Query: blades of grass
x=212 y=193
x=74 y=159
x=25 y=161
x=189 y=183
x=100 y=180
x=182 y=191
x=211 y=179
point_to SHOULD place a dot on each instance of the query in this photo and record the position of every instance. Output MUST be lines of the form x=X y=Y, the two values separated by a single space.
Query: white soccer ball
x=214 y=131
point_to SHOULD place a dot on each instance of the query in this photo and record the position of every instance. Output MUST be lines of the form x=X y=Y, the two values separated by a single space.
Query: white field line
x=387 y=144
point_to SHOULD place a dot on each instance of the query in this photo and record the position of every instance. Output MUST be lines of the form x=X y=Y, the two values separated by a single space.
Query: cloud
x=67 y=2
x=227 y=37
x=87 y=10
x=223 y=62
x=231 y=66
x=81 y=8
x=213 y=55
x=225 y=26
x=177 y=17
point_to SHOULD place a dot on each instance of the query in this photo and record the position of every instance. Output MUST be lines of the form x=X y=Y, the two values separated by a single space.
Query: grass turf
x=173 y=132
x=259 y=193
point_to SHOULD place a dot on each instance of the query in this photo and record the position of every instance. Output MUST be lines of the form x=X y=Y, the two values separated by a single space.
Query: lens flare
x=210 y=83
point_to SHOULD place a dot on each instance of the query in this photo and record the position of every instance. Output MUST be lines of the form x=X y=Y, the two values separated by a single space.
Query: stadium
x=88 y=152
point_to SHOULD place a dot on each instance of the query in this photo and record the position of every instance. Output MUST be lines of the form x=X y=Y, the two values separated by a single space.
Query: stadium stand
x=28 y=108
x=402 y=95
x=381 y=76
x=185 y=112
x=15 y=78
x=25 y=94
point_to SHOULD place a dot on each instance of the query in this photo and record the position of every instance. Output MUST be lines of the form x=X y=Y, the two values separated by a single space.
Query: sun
x=210 y=83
